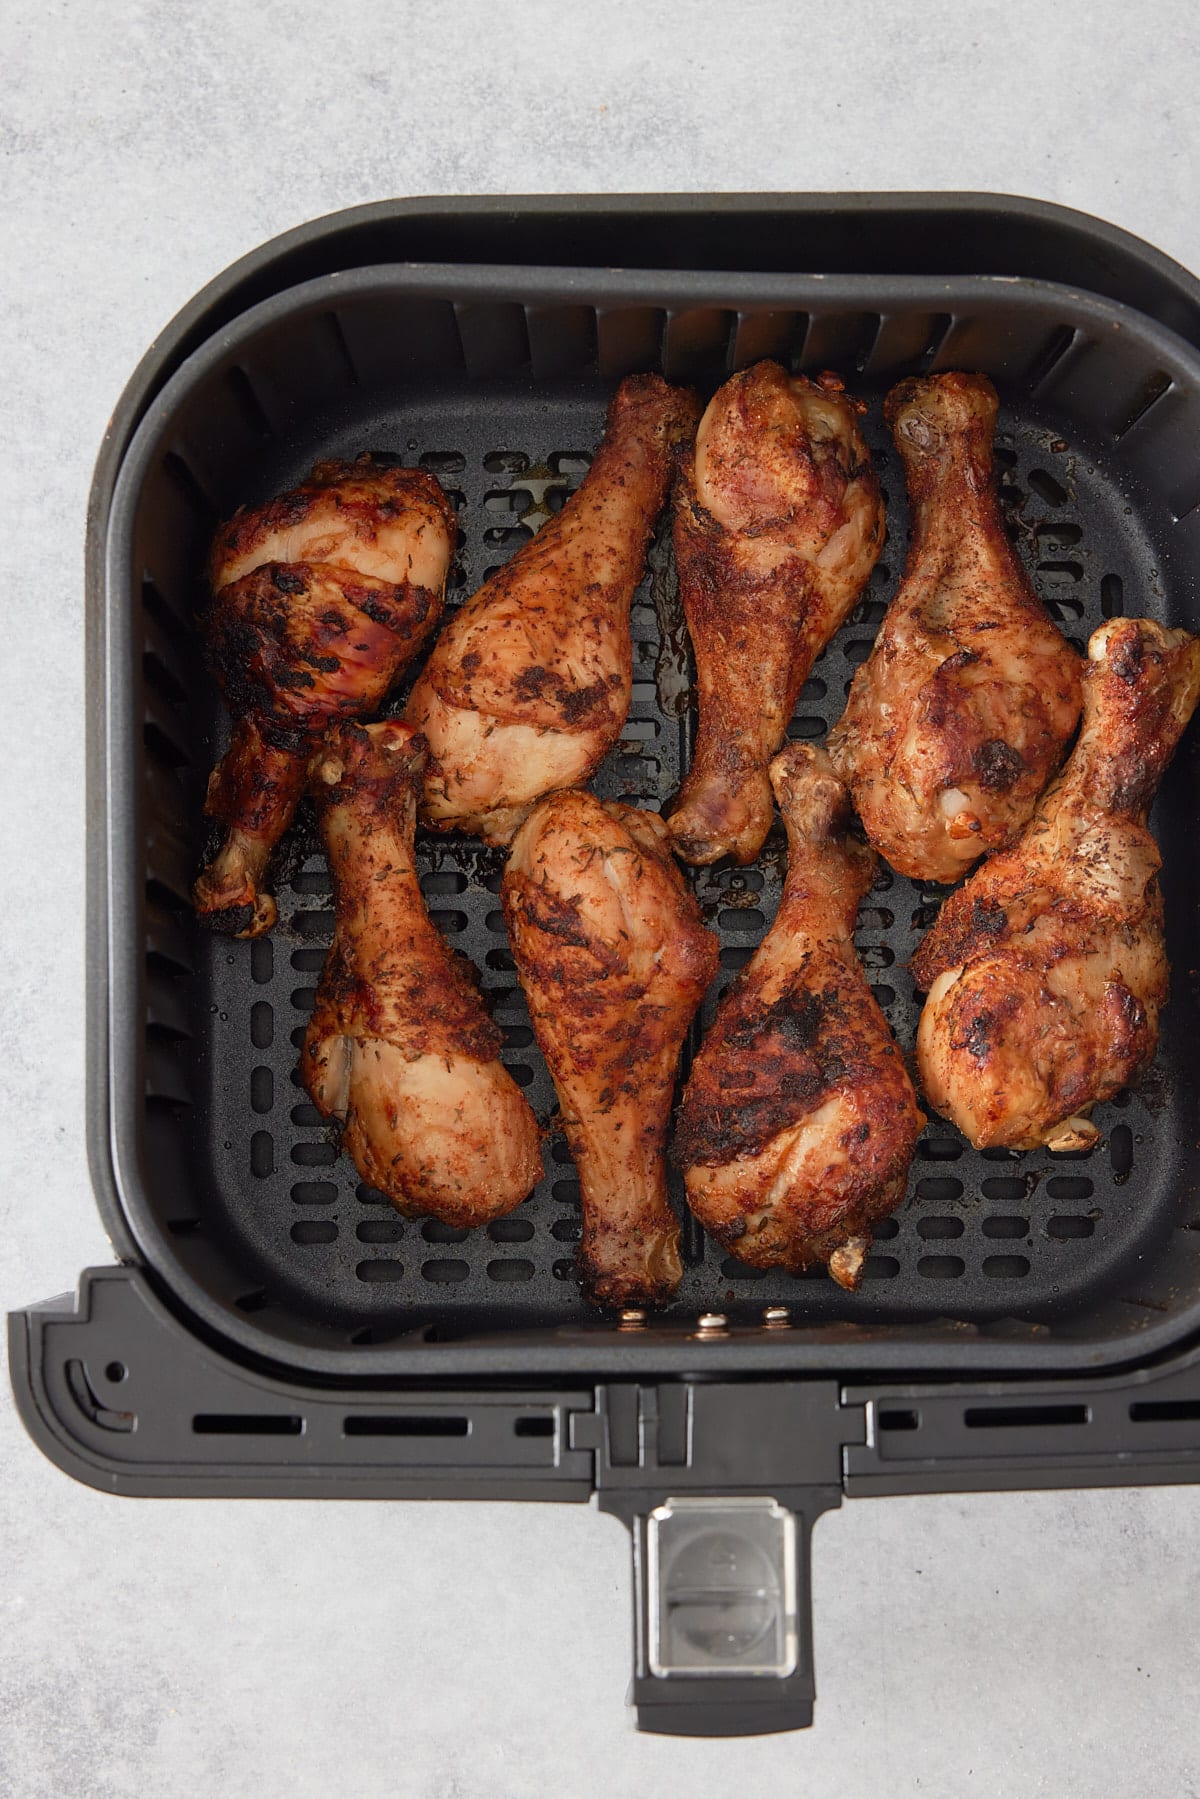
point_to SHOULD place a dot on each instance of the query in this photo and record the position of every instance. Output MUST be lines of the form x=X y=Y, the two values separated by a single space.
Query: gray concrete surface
x=1018 y=1645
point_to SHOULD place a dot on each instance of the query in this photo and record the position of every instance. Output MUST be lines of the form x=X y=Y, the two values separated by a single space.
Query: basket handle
x=723 y=1615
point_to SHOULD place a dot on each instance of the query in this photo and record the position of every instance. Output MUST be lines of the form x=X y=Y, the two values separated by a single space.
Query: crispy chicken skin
x=778 y=524
x=968 y=700
x=528 y=685
x=614 y=962
x=1046 y=971
x=399 y=1046
x=799 y=1121
x=322 y=598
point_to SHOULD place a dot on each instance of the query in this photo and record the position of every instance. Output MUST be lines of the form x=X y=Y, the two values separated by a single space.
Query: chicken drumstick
x=1046 y=971
x=323 y=597
x=965 y=706
x=399 y=1046
x=778 y=523
x=528 y=685
x=614 y=961
x=799 y=1121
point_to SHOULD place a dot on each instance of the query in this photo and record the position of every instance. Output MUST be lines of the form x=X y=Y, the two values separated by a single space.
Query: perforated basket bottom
x=980 y=1235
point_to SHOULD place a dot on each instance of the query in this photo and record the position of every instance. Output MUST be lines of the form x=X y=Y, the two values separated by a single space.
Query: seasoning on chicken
x=1047 y=971
x=322 y=598
x=528 y=686
x=966 y=704
x=799 y=1121
x=614 y=962
x=399 y=1046
x=778 y=524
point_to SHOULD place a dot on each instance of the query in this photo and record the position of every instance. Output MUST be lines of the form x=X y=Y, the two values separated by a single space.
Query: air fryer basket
x=496 y=379
x=272 y=1328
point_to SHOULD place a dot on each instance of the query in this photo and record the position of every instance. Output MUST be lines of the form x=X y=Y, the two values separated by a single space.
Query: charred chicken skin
x=1046 y=972
x=965 y=707
x=322 y=598
x=528 y=685
x=399 y=1047
x=799 y=1121
x=778 y=524
x=614 y=961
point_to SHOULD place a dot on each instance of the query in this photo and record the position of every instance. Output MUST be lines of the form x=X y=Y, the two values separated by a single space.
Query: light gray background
x=1002 y=1645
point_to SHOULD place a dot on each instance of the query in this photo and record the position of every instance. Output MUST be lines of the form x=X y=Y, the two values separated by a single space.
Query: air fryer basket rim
x=563 y=1352
x=225 y=294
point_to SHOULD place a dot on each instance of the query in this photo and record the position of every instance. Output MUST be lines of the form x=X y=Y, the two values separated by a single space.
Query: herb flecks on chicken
x=399 y=1046
x=778 y=524
x=529 y=683
x=1046 y=971
x=966 y=704
x=322 y=598
x=799 y=1121
x=614 y=961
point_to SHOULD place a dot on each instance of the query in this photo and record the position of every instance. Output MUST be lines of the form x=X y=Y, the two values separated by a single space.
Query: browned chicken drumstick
x=799 y=1121
x=614 y=961
x=528 y=686
x=965 y=706
x=1046 y=971
x=322 y=598
x=778 y=523
x=399 y=1046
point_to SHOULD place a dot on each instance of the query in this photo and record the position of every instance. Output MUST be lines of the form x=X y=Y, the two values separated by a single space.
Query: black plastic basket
x=274 y=1327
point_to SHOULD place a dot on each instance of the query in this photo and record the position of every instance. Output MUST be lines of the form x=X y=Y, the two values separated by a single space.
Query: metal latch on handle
x=721 y=1588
